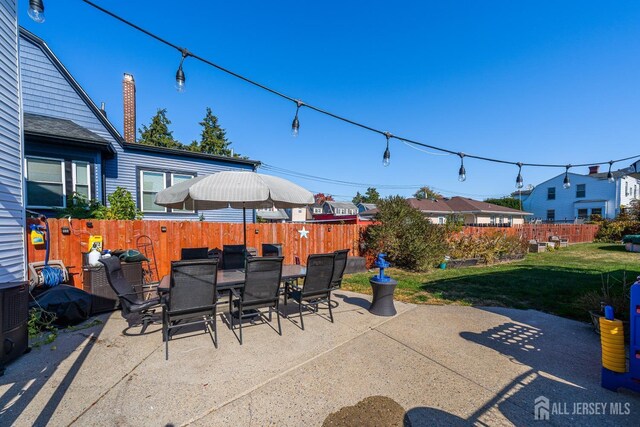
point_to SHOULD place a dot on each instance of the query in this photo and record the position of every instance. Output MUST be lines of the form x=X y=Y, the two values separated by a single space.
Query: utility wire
x=186 y=53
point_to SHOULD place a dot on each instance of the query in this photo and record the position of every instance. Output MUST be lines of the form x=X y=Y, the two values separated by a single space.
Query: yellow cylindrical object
x=612 y=341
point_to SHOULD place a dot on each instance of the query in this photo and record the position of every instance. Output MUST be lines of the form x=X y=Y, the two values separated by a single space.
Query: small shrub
x=41 y=325
x=613 y=292
x=80 y=207
x=121 y=206
x=408 y=238
x=612 y=231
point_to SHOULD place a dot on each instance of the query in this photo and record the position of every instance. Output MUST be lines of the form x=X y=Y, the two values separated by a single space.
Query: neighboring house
x=436 y=210
x=472 y=212
x=362 y=207
x=335 y=212
x=71 y=146
x=12 y=221
x=272 y=215
x=590 y=194
x=297 y=214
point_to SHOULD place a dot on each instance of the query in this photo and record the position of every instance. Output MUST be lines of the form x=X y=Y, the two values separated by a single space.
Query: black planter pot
x=382 y=304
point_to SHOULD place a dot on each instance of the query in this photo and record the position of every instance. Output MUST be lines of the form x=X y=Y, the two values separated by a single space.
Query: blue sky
x=530 y=81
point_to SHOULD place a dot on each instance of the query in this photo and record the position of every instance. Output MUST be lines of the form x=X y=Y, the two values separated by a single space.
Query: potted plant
x=613 y=292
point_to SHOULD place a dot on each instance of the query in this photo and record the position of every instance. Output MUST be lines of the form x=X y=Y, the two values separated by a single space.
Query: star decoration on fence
x=304 y=233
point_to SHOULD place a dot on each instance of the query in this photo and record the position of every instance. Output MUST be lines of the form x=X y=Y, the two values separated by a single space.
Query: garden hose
x=612 y=341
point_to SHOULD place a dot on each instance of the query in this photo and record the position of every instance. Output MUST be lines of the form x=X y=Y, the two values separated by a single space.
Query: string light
x=180 y=77
x=319 y=110
x=566 y=183
x=295 y=126
x=36 y=11
x=386 y=157
x=519 y=180
x=462 y=172
x=609 y=174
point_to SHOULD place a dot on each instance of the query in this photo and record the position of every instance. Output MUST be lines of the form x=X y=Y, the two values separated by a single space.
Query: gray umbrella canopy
x=235 y=189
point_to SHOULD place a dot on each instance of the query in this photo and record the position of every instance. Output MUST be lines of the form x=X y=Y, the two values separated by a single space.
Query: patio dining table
x=234 y=279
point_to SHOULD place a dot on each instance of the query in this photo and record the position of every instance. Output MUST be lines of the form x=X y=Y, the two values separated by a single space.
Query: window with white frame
x=152 y=183
x=177 y=178
x=45 y=182
x=81 y=179
x=440 y=220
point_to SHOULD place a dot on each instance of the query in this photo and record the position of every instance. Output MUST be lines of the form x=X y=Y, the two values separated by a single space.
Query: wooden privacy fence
x=169 y=237
x=188 y=234
x=576 y=233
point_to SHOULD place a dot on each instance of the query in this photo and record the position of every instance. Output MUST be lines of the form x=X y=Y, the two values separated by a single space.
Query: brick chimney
x=594 y=169
x=129 y=98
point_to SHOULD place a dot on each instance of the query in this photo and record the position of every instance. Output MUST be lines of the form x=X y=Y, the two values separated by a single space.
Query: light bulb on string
x=386 y=157
x=610 y=174
x=36 y=11
x=295 y=126
x=519 y=180
x=566 y=183
x=180 y=77
x=462 y=172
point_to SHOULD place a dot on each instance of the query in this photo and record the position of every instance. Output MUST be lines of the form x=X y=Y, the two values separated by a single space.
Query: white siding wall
x=12 y=249
x=600 y=193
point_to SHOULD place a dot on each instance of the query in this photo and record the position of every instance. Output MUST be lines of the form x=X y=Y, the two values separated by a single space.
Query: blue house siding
x=49 y=90
x=12 y=244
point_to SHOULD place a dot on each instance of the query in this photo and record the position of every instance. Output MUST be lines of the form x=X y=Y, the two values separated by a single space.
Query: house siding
x=12 y=242
x=48 y=92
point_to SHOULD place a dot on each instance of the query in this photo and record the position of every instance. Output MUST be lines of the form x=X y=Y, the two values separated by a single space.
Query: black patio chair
x=194 y=253
x=131 y=301
x=191 y=299
x=272 y=249
x=339 y=264
x=262 y=281
x=316 y=287
x=233 y=257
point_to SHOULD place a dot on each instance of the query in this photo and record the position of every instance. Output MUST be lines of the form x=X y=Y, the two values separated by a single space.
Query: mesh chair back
x=272 y=249
x=262 y=279
x=233 y=256
x=319 y=274
x=194 y=253
x=339 y=264
x=119 y=284
x=193 y=284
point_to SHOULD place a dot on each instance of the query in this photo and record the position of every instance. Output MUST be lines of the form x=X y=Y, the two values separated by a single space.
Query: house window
x=551 y=215
x=581 y=190
x=440 y=220
x=596 y=211
x=582 y=213
x=81 y=179
x=177 y=178
x=626 y=188
x=45 y=183
x=152 y=184
x=493 y=219
x=551 y=193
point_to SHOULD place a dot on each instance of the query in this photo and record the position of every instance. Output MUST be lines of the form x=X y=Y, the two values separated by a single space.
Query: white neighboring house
x=590 y=194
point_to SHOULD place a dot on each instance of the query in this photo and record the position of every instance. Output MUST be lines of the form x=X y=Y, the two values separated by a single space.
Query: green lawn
x=550 y=281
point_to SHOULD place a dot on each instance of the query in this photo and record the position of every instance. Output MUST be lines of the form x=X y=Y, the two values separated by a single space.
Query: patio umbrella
x=235 y=189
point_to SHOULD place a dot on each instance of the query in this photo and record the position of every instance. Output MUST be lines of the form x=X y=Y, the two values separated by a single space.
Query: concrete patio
x=443 y=364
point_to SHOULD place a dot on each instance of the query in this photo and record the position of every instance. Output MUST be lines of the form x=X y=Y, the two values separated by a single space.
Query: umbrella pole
x=244 y=225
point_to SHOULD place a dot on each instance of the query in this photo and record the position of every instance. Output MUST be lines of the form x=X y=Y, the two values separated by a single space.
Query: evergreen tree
x=213 y=139
x=426 y=193
x=158 y=132
x=371 y=196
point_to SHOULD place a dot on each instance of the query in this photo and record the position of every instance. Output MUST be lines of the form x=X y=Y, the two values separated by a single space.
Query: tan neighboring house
x=473 y=212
